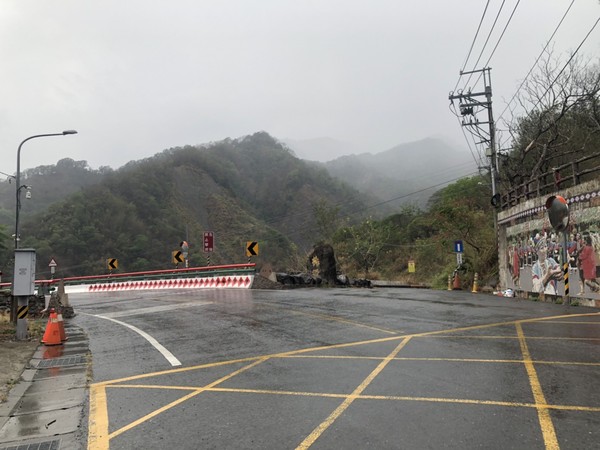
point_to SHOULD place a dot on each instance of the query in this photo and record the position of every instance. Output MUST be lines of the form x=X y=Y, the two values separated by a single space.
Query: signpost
x=177 y=257
x=112 y=263
x=208 y=240
x=251 y=249
x=459 y=249
x=52 y=264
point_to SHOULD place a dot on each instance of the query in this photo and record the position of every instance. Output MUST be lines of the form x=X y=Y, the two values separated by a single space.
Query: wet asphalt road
x=339 y=368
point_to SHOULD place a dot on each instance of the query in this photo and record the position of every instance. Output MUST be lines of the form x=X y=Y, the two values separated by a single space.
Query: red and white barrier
x=215 y=282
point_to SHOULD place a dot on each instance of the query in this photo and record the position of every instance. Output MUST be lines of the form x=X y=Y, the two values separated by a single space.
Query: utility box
x=24 y=280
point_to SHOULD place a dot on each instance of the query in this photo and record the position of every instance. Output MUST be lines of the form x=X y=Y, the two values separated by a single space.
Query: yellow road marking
x=324 y=347
x=467 y=360
x=541 y=338
x=98 y=421
x=362 y=396
x=546 y=424
x=183 y=399
x=317 y=432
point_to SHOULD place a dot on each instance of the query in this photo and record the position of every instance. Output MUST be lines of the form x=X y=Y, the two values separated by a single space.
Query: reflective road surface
x=339 y=368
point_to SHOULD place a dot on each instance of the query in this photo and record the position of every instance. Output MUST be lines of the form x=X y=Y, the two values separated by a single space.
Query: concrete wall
x=529 y=248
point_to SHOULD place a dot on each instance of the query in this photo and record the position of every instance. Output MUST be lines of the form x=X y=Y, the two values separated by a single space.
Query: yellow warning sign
x=411 y=266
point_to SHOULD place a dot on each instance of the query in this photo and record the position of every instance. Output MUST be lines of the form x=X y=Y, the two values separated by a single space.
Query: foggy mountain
x=408 y=173
x=321 y=149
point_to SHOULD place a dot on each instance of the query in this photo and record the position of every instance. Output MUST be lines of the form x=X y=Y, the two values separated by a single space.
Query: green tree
x=362 y=245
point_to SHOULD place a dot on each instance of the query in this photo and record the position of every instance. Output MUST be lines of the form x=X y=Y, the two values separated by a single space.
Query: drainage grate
x=47 y=445
x=61 y=362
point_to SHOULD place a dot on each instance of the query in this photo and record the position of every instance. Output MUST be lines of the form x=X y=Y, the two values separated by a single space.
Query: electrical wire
x=499 y=39
x=567 y=63
x=536 y=61
x=472 y=43
x=485 y=44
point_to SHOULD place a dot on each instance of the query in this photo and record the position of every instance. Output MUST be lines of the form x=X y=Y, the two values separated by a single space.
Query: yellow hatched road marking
x=98 y=422
x=546 y=424
x=312 y=437
x=362 y=396
x=183 y=399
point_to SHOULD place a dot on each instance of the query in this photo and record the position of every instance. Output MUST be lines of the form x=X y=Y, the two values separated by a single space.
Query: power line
x=566 y=64
x=473 y=43
x=485 y=44
x=499 y=39
x=537 y=60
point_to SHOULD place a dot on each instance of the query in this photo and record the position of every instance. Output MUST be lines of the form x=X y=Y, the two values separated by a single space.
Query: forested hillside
x=250 y=189
x=48 y=184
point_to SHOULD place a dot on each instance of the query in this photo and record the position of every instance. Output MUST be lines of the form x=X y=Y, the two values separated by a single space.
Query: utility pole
x=469 y=107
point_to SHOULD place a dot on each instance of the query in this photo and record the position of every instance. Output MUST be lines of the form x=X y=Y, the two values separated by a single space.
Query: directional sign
x=177 y=256
x=251 y=248
x=458 y=247
x=208 y=241
x=112 y=263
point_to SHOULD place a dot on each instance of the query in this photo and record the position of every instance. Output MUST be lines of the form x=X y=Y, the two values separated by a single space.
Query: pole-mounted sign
x=177 y=257
x=251 y=249
x=52 y=264
x=459 y=249
x=209 y=237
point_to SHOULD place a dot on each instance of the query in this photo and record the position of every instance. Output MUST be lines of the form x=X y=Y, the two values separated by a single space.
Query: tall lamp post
x=24 y=270
x=18 y=176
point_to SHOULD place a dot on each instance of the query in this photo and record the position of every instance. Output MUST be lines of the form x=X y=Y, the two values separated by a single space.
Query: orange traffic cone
x=52 y=333
x=61 y=327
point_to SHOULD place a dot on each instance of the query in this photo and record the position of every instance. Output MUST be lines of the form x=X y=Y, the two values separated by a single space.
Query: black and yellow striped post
x=22 y=311
x=558 y=213
x=566 y=277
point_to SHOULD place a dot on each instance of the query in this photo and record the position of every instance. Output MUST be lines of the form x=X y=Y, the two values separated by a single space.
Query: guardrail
x=560 y=177
x=238 y=276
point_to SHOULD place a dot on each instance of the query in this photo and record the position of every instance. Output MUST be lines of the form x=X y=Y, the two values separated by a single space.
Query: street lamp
x=18 y=177
x=24 y=271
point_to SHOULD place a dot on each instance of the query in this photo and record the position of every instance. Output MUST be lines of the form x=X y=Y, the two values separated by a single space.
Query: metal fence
x=560 y=177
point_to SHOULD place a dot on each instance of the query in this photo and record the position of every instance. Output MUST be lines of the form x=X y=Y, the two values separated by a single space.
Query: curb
x=46 y=408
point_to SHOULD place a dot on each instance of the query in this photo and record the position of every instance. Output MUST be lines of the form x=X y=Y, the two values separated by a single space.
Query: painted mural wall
x=531 y=252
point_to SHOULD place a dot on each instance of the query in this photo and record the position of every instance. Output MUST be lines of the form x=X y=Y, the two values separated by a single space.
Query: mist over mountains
x=248 y=189
x=406 y=173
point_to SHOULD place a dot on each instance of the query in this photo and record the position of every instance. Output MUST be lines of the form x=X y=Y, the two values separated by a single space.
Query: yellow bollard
x=449 y=282
x=475 y=283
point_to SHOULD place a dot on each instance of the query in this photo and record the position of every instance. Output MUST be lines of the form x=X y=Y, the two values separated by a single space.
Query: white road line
x=157 y=345
x=153 y=309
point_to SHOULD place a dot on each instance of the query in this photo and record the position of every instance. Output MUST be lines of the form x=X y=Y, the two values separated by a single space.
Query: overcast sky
x=135 y=77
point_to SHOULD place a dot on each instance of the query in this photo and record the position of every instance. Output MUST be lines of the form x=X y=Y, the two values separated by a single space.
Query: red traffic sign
x=209 y=239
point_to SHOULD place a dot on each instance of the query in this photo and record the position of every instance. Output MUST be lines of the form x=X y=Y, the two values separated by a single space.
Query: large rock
x=321 y=262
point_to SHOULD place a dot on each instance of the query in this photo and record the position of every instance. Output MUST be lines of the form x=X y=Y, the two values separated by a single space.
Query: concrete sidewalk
x=45 y=410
